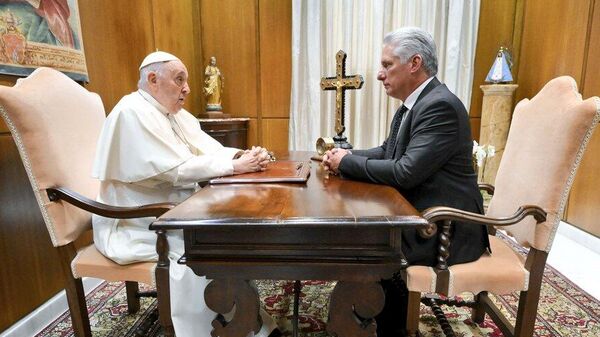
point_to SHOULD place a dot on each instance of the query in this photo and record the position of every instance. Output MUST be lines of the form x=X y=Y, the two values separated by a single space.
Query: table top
x=320 y=201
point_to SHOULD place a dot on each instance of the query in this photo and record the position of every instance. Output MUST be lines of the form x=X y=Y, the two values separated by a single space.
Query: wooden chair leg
x=77 y=307
x=505 y=326
x=133 y=300
x=75 y=293
x=527 y=312
x=528 y=301
x=163 y=294
x=478 y=310
x=413 y=313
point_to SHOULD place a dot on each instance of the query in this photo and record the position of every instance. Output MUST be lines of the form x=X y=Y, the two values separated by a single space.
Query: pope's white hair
x=153 y=67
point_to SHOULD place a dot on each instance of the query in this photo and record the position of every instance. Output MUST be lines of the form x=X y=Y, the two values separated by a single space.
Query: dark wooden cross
x=340 y=83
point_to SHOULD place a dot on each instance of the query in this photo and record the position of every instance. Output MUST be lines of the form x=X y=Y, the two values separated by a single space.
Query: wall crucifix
x=340 y=83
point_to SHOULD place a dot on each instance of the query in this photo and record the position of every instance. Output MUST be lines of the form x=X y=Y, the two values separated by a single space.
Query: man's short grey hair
x=409 y=41
x=153 y=67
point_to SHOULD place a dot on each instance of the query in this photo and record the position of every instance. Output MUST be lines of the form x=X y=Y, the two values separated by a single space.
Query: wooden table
x=326 y=229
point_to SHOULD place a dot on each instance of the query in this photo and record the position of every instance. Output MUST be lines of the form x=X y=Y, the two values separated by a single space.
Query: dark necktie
x=397 y=121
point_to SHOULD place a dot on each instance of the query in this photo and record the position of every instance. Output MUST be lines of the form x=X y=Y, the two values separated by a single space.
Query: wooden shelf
x=232 y=132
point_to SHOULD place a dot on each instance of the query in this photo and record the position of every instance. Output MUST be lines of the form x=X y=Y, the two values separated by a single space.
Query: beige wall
x=252 y=43
x=583 y=209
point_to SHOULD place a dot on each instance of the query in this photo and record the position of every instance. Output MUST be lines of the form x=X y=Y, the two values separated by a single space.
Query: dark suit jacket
x=431 y=166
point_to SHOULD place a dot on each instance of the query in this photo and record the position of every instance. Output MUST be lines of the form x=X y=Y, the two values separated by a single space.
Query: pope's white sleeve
x=196 y=169
x=205 y=167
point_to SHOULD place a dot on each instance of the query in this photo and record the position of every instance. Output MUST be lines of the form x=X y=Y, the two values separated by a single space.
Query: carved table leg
x=221 y=295
x=162 y=283
x=353 y=307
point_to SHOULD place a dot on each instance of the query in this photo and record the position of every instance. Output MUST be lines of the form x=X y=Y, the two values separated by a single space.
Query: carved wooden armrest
x=117 y=212
x=487 y=187
x=435 y=214
x=440 y=213
x=446 y=215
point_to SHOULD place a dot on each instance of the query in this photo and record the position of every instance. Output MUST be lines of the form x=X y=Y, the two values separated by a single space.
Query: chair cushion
x=420 y=279
x=89 y=262
x=500 y=273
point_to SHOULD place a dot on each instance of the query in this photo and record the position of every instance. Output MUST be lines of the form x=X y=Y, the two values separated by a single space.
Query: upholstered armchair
x=547 y=139
x=55 y=124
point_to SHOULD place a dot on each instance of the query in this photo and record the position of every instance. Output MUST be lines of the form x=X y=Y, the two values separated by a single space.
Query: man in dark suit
x=427 y=157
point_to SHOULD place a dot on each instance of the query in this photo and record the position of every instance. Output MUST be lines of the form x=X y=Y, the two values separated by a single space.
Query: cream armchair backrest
x=547 y=137
x=55 y=123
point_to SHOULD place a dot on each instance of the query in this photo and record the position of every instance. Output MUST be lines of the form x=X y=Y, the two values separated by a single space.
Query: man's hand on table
x=332 y=158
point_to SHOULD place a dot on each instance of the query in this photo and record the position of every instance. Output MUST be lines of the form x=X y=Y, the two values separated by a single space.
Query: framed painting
x=41 y=33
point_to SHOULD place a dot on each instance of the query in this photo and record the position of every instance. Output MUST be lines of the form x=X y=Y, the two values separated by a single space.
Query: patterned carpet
x=564 y=310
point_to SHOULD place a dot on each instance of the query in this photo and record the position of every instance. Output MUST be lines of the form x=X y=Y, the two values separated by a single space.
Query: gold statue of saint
x=214 y=86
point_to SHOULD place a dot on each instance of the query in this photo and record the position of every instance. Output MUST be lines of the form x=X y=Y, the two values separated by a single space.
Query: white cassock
x=146 y=155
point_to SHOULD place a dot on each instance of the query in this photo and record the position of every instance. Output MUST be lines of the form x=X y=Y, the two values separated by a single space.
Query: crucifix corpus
x=340 y=83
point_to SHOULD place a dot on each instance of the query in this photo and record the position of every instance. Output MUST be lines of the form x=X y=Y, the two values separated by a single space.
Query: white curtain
x=321 y=28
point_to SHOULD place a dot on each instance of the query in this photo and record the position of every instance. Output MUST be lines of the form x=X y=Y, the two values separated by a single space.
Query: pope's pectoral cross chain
x=340 y=83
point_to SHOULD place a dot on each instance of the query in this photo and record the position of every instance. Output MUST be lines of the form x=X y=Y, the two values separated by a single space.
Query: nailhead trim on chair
x=74 y=262
x=154 y=275
x=571 y=178
x=433 y=283
x=450 y=282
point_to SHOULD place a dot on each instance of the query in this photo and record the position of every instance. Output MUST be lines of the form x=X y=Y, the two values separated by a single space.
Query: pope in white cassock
x=152 y=150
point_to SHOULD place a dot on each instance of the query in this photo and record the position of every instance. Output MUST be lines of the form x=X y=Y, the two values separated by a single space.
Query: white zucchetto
x=158 y=56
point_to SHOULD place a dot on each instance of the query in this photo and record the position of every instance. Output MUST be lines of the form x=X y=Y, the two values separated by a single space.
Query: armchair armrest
x=117 y=212
x=446 y=215
x=487 y=187
x=435 y=214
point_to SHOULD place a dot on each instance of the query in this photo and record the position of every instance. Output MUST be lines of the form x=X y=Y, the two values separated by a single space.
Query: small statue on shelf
x=500 y=71
x=214 y=86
